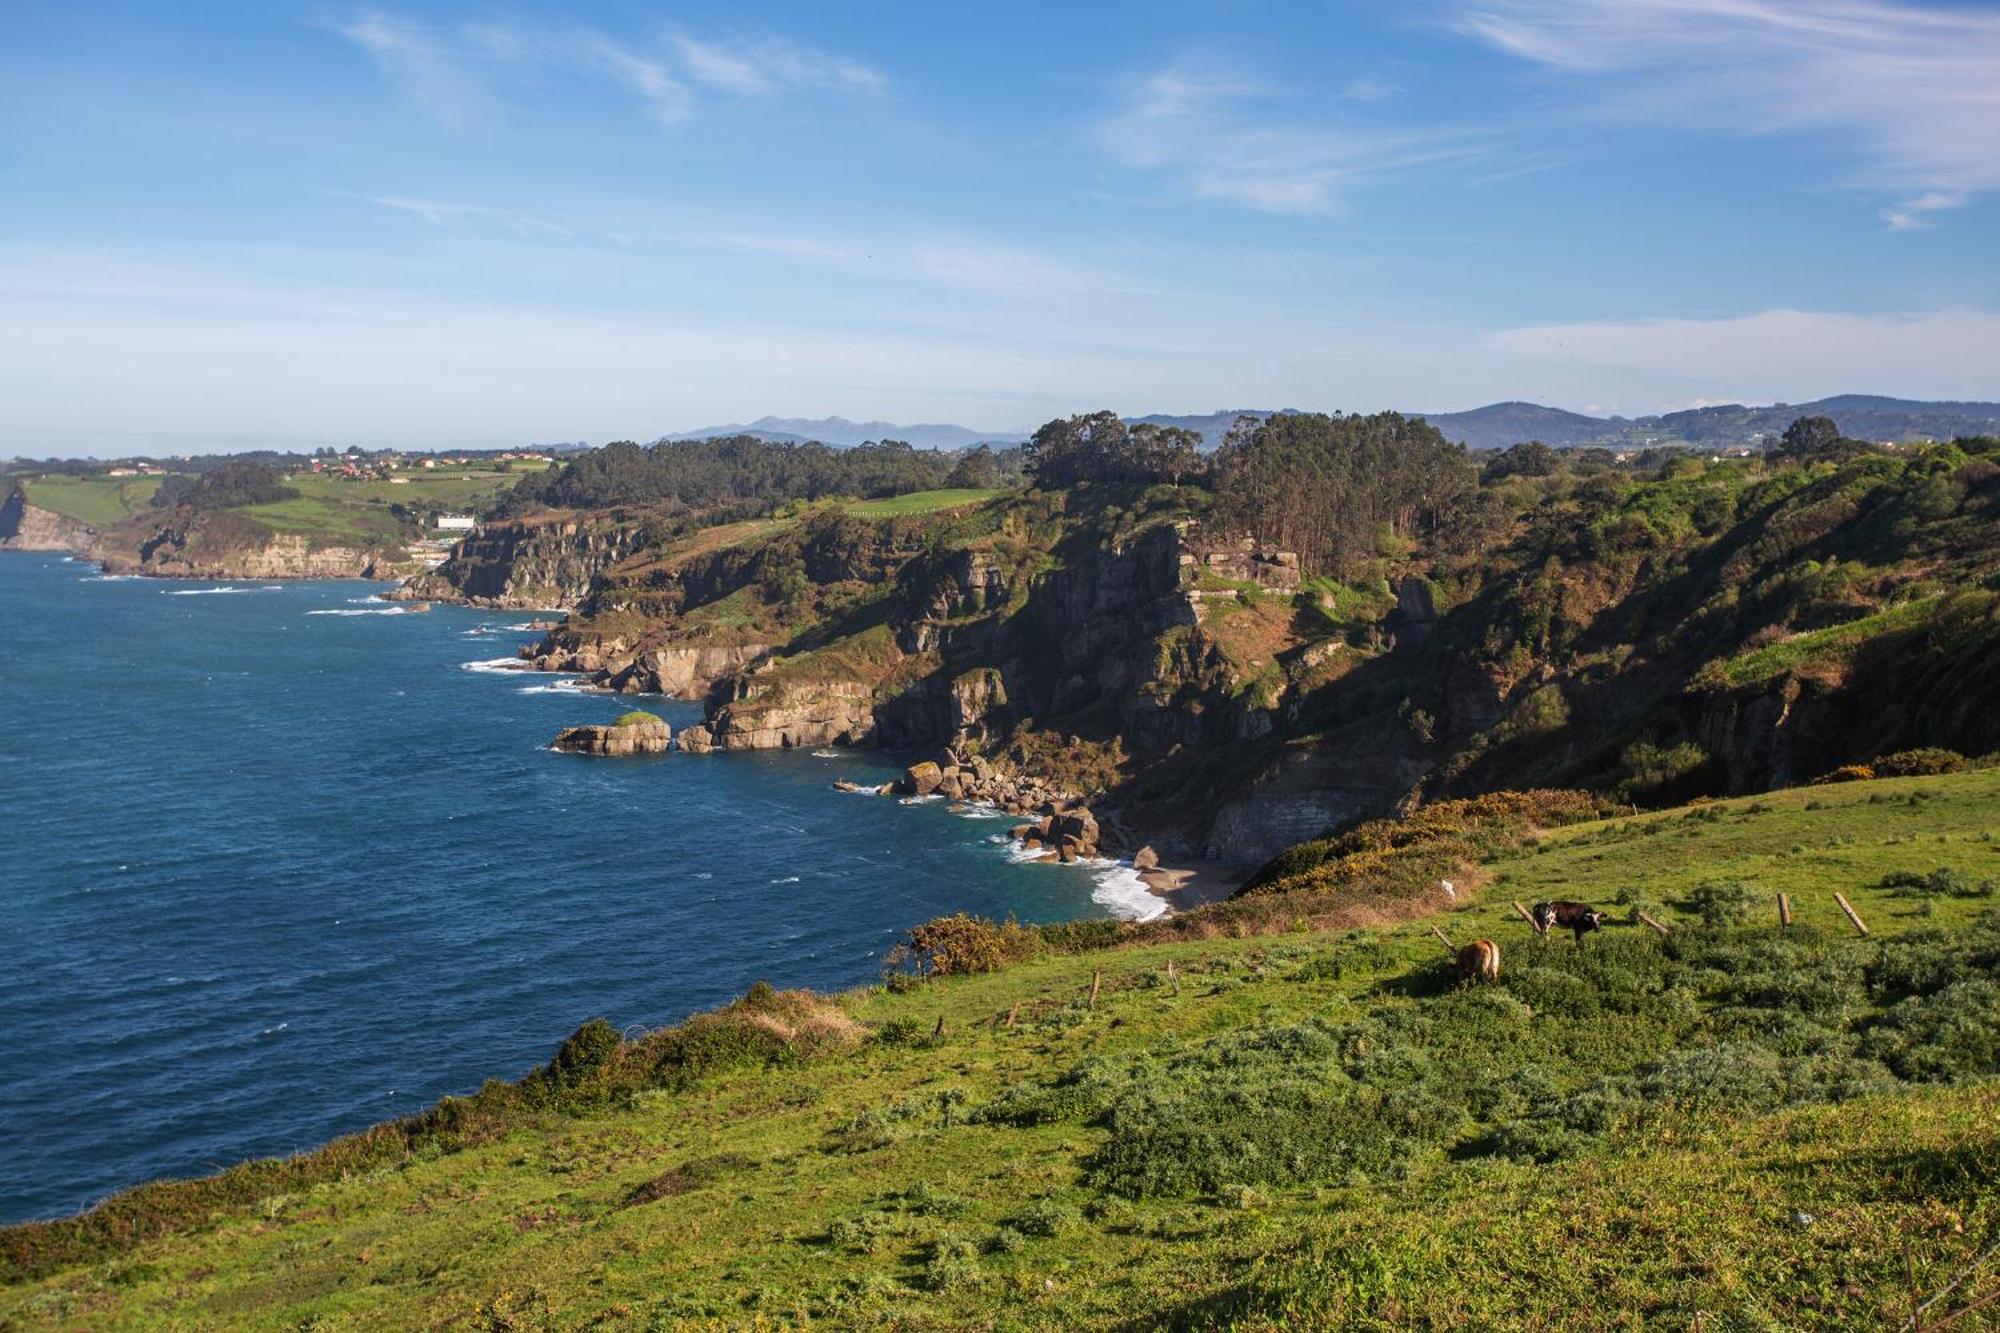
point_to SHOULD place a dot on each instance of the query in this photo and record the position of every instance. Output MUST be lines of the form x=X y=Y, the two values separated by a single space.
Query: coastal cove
x=278 y=866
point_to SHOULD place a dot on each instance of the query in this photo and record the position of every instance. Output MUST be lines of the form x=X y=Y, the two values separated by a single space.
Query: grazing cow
x=1579 y=917
x=1477 y=961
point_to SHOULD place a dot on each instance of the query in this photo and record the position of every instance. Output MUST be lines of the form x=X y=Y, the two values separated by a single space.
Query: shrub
x=1943 y=882
x=961 y=944
x=764 y=1026
x=579 y=1071
x=1082 y=1093
x=1046 y=1217
x=1920 y=763
x=908 y=1118
x=953 y=1264
x=1951 y=1034
x=1720 y=903
x=1846 y=773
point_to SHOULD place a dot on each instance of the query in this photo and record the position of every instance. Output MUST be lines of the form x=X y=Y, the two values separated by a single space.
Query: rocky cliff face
x=178 y=552
x=766 y=711
x=527 y=564
x=29 y=527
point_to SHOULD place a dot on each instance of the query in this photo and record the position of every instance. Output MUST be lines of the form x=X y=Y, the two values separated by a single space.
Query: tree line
x=741 y=475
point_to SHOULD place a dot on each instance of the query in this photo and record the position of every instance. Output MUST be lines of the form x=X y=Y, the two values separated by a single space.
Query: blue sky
x=260 y=224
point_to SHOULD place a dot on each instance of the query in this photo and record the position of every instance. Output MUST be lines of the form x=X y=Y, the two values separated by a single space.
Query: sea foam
x=1121 y=892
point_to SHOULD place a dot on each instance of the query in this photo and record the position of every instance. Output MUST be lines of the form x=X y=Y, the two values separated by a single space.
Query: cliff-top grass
x=99 y=501
x=920 y=502
x=1733 y=1125
x=637 y=717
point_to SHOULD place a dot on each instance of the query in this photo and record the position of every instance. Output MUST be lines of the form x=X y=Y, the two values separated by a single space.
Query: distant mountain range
x=841 y=432
x=1495 y=426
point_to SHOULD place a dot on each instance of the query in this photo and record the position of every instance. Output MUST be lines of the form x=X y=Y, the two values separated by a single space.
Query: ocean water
x=275 y=864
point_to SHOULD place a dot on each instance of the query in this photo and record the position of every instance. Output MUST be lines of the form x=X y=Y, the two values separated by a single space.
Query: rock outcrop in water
x=614 y=740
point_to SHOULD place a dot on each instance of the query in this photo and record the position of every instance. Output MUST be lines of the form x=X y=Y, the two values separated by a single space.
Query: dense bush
x=1720 y=903
x=961 y=944
x=225 y=487
x=1920 y=763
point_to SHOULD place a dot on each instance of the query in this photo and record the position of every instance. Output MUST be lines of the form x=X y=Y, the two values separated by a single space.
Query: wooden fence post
x=939 y=1030
x=1852 y=915
x=1013 y=1013
x=1784 y=909
x=1649 y=921
x=1442 y=937
x=1527 y=916
x=1096 y=980
x=1173 y=976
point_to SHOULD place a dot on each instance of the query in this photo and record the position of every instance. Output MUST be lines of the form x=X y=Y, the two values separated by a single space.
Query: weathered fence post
x=1852 y=915
x=1013 y=1013
x=1442 y=937
x=1096 y=980
x=1649 y=921
x=1784 y=909
x=1527 y=916
x=1173 y=976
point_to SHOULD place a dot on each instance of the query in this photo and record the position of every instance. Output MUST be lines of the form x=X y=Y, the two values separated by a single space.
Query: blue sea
x=276 y=863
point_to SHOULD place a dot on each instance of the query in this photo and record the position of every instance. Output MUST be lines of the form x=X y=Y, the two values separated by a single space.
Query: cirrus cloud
x=1913 y=89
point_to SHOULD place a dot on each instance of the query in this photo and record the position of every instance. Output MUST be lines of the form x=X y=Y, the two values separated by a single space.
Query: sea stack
x=635 y=733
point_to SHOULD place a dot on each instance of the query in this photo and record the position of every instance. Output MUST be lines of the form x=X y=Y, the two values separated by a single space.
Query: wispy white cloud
x=421 y=63
x=451 y=71
x=1794 y=355
x=1914 y=88
x=760 y=65
x=458 y=217
x=1202 y=129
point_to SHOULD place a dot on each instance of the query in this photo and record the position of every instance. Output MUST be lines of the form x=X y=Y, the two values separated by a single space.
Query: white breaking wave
x=110 y=578
x=1116 y=886
x=559 y=687
x=789 y=879
x=920 y=800
x=1018 y=853
x=1121 y=892
x=826 y=754
x=372 y=611
x=980 y=810
x=210 y=592
x=364 y=601
x=497 y=664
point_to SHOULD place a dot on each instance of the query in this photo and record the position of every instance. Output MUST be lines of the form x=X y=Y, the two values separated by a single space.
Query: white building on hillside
x=455 y=523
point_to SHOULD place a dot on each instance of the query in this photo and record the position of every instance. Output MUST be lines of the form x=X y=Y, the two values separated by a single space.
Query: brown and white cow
x=1579 y=917
x=1477 y=961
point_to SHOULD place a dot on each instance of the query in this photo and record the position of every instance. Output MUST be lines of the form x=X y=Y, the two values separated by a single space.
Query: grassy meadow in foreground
x=1305 y=1129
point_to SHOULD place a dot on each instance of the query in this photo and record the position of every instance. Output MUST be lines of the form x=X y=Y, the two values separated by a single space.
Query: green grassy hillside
x=99 y=501
x=1304 y=1128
